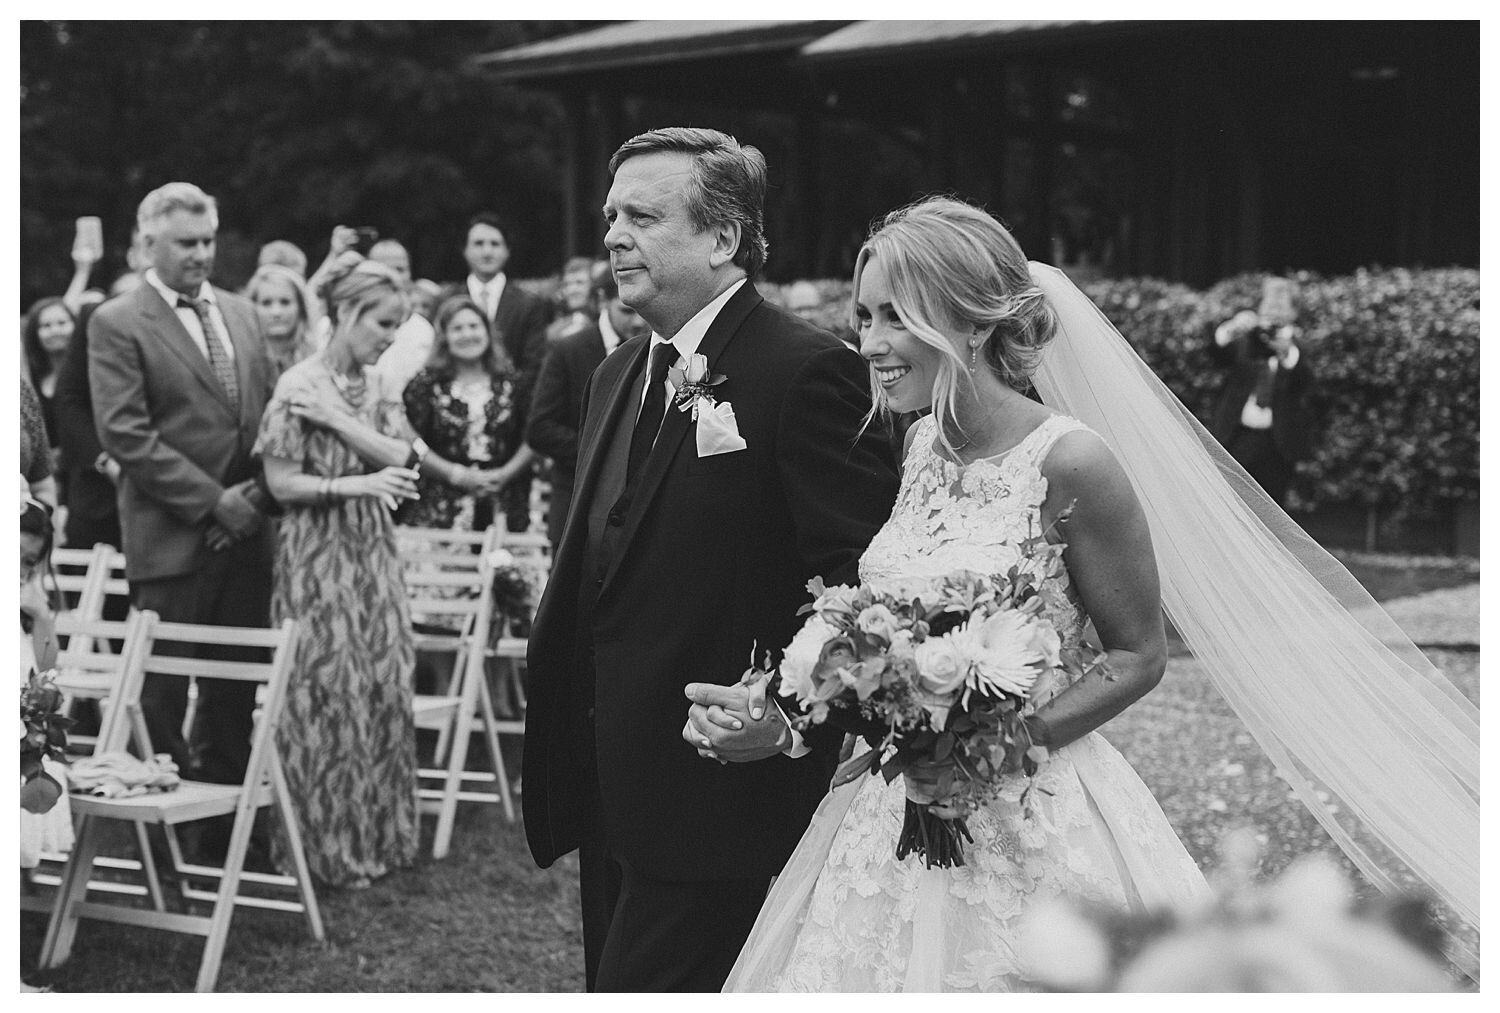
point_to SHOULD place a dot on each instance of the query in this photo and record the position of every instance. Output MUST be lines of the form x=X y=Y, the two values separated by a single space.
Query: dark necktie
x=1264 y=381
x=218 y=355
x=655 y=406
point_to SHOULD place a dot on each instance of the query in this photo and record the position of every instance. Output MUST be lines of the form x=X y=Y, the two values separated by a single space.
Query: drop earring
x=973 y=355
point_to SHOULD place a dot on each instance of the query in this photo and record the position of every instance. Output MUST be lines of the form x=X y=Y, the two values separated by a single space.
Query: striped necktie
x=218 y=355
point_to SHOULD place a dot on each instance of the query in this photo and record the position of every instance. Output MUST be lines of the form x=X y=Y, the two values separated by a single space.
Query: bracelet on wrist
x=418 y=453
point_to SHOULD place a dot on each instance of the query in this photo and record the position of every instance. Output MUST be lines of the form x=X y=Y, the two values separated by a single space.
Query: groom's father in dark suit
x=682 y=558
x=179 y=378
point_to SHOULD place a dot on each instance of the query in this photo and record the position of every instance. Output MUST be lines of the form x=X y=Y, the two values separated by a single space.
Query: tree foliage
x=293 y=126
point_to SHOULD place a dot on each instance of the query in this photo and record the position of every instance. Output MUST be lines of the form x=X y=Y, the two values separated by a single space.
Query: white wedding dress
x=846 y=915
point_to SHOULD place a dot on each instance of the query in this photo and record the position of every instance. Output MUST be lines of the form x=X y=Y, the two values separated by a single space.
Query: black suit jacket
x=713 y=559
x=557 y=413
x=1290 y=418
x=92 y=513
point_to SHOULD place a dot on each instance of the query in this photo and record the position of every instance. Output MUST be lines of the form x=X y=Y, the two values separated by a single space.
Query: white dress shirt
x=690 y=335
x=487 y=293
x=189 y=316
x=608 y=333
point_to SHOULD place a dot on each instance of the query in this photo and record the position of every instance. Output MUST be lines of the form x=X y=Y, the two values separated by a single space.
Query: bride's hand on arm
x=1112 y=567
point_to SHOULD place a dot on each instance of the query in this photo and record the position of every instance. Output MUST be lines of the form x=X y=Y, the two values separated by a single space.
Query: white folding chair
x=264 y=786
x=530 y=549
x=449 y=586
x=79 y=661
x=88 y=577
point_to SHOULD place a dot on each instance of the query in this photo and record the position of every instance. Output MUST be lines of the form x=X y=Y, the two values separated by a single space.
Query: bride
x=1379 y=745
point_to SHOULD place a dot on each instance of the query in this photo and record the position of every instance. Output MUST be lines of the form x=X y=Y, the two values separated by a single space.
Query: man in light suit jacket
x=179 y=378
x=682 y=557
x=557 y=402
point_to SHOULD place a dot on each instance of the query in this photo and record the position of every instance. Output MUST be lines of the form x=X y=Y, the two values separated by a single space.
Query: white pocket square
x=717 y=431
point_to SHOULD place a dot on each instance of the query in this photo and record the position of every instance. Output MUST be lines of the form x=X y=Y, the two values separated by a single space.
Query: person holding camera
x=1261 y=417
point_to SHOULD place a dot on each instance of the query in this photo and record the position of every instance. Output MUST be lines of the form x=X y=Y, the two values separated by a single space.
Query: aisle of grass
x=486 y=918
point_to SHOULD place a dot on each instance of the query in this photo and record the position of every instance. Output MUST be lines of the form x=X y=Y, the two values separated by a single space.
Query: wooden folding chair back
x=264 y=785
x=79 y=662
x=84 y=579
x=449 y=585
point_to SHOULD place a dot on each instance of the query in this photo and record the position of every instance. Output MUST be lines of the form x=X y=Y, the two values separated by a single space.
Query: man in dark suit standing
x=557 y=402
x=686 y=553
x=179 y=378
x=1262 y=417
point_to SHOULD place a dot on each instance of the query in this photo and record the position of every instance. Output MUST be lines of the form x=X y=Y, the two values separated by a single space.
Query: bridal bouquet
x=44 y=736
x=517 y=585
x=935 y=677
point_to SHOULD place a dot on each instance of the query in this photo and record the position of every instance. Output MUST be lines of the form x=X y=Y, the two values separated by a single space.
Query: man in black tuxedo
x=1262 y=417
x=557 y=402
x=686 y=553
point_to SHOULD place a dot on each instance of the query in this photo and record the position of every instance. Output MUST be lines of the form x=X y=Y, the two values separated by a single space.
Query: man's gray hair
x=727 y=183
x=174 y=197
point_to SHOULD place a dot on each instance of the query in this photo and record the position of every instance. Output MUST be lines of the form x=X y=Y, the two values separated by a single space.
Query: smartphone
x=366 y=239
x=88 y=236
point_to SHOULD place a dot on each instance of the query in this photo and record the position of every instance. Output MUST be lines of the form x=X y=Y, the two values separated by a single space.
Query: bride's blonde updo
x=955 y=270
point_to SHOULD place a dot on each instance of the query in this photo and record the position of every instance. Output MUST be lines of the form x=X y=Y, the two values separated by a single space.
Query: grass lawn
x=485 y=919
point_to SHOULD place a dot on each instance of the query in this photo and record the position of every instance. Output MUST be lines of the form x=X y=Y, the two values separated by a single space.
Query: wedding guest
x=678 y=565
x=518 y=323
x=45 y=338
x=338 y=455
x=179 y=379
x=1262 y=416
x=283 y=307
x=89 y=475
x=284 y=253
x=803 y=299
x=518 y=319
x=575 y=307
x=392 y=254
x=425 y=294
x=557 y=404
x=36 y=456
x=463 y=404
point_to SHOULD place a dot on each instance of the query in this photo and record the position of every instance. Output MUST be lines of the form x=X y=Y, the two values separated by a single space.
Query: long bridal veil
x=1374 y=740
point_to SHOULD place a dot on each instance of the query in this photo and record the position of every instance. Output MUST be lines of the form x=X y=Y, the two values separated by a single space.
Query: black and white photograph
x=690 y=506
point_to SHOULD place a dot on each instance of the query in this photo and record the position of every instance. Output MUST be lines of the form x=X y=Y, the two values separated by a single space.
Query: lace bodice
x=950 y=516
x=848 y=915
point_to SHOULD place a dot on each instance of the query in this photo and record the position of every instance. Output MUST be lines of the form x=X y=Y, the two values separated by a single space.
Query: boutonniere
x=694 y=384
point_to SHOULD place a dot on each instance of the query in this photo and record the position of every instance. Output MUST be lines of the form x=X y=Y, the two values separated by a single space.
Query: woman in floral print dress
x=339 y=456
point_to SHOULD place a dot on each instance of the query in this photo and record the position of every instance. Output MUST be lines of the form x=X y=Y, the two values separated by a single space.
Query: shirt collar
x=607 y=332
x=690 y=336
x=205 y=290
x=497 y=283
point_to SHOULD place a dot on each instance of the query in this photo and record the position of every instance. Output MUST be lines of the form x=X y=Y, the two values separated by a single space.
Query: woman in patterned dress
x=339 y=456
x=463 y=404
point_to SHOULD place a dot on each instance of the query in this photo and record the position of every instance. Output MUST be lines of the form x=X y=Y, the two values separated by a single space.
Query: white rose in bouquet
x=940 y=665
x=878 y=621
x=801 y=657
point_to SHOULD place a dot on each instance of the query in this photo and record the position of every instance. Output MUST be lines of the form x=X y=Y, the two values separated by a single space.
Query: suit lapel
x=596 y=444
x=677 y=423
x=175 y=337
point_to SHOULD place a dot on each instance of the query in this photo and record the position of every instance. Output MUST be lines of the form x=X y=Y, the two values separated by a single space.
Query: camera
x=365 y=237
x=1260 y=341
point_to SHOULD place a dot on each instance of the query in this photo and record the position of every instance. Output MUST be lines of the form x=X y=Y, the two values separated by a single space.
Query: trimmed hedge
x=1395 y=358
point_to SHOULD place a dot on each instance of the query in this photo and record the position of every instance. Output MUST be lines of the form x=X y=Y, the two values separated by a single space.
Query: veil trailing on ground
x=1374 y=740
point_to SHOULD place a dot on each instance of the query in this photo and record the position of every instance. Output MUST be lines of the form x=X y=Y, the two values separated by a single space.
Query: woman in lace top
x=464 y=405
